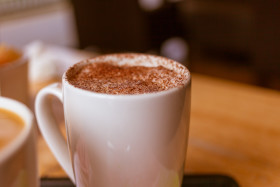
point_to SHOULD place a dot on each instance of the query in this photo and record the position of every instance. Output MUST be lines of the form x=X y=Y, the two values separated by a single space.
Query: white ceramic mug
x=119 y=140
x=14 y=80
x=18 y=160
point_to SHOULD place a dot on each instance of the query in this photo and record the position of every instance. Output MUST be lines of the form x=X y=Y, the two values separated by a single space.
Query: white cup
x=119 y=140
x=14 y=80
x=18 y=160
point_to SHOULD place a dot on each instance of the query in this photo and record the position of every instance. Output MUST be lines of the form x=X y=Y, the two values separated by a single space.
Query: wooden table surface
x=234 y=130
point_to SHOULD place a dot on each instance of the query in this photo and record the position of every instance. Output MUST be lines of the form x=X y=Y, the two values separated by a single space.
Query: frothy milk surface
x=123 y=74
x=10 y=127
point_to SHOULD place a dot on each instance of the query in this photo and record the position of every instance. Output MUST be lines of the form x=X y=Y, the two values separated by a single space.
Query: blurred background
x=232 y=39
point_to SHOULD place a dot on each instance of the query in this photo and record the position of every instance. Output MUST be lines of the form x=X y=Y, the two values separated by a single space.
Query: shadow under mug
x=18 y=159
x=119 y=140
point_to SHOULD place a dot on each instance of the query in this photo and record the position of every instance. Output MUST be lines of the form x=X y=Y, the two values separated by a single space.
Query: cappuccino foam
x=10 y=127
x=112 y=78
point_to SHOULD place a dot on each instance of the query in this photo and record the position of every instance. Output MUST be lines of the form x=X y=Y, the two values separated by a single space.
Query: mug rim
x=25 y=114
x=66 y=83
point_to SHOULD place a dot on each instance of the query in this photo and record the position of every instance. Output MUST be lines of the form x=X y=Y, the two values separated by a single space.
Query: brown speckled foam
x=127 y=74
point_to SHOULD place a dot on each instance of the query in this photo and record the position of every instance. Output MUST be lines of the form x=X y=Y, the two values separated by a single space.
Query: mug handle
x=50 y=129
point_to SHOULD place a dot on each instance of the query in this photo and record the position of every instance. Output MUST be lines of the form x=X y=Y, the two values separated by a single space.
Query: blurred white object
x=150 y=5
x=49 y=61
x=175 y=48
x=175 y=1
x=42 y=65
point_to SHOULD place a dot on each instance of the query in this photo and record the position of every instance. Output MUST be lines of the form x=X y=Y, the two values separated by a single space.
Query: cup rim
x=143 y=95
x=25 y=114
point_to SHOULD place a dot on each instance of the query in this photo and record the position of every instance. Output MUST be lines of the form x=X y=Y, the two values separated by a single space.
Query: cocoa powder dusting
x=112 y=79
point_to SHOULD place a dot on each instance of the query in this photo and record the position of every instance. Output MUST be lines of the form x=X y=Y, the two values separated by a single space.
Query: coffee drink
x=18 y=153
x=13 y=74
x=10 y=127
x=111 y=78
x=8 y=54
x=126 y=117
